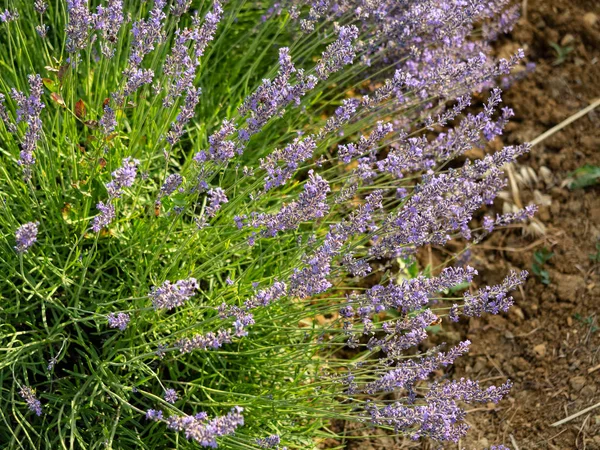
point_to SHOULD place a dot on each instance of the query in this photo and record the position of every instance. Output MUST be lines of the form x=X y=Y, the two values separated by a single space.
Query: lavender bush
x=204 y=206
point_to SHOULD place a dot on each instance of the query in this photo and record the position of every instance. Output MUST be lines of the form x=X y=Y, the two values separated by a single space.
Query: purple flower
x=8 y=16
x=185 y=115
x=108 y=20
x=147 y=34
x=108 y=121
x=122 y=177
x=204 y=341
x=42 y=30
x=33 y=403
x=170 y=396
x=40 y=6
x=339 y=53
x=292 y=155
x=216 y=198
x=120 y=320
x=28 y=111
x=221 y=148
x=273 y=95
x=204 y=431
x=136 y=78
x=311 y=204
x=106 y=216
x=169 y=296
x=269 y=441
x=493 y=299
x=155 y=415
x=180 y=7
x=26 y=236
x=78 y=26
x=172 y=182
x=313 y=279
x=206 y=32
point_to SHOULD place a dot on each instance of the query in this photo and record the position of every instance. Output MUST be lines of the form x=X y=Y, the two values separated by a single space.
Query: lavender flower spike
x=120 y=320
x=169 y=296
x=205 y=432
x=269 y=441
x=170 y=396
x=122 y=177
x=78 y=27
x=28 y=111
x=26 y=236
x=33 y=403
x=106 y=216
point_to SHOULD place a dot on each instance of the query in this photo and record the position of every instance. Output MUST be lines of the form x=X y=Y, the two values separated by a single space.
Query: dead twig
x=575 y=416
x=513 y=442
x=566 y=122
x=593 y=369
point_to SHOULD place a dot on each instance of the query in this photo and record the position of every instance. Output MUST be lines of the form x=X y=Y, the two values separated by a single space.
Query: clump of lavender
x=272 y=159
x=26 y=236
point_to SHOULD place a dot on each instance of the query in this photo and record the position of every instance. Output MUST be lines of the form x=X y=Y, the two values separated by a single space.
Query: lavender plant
x=203 y=204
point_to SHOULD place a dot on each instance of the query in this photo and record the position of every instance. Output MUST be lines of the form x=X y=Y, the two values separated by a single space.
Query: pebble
x=577 y=383
x=540 y=350
x=590 y=19
x=567 y=39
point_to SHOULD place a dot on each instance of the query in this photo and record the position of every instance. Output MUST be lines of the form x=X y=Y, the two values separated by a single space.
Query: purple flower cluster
x=169 y=296
x=221 y=148
x=313 y=279
x=119 y=320
x=40 y=6
x=269 y=441
x=205 y=432
x=440 y=417
x=78 y=27
x=216 y=198
x=172 y=182
x=29 y=109
x=493 y=299
x=181 y=65
x=147 y=33
x=108 y=20
x=7 y=16
x=364 y=144
x=170 y=396
x=339 y=53
x=205 y=341
x=33 y=403
x=272 y=96
x=292 y=155
x=108 y=121
x=185 y=115
x=106 y=216
x=123 y=177
x=26 y=236
x=444 y=204
x=311 y=204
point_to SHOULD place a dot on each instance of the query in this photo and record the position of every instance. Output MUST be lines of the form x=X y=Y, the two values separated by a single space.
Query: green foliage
x=585 y=176
x=561 y=53
x=540 y=258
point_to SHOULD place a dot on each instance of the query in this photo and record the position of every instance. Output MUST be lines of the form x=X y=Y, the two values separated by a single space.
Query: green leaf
x=585 y=176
